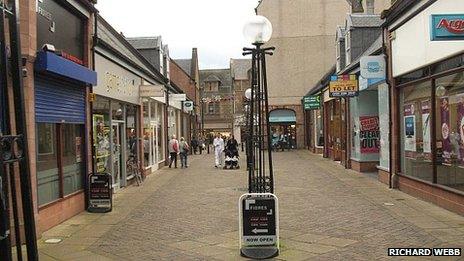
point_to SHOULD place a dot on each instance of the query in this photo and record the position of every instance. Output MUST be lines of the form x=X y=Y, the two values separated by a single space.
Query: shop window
x=48 y=181
x=60 y=160
x=450 y=131
x=73 y=158
x=131 y=133
x=416 y=158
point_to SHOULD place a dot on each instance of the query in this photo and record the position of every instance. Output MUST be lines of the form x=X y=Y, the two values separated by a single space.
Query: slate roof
x=363 y=20
x=239 y=68
x=223 y=75
x=145 y=42
x=375 y=47
x=110 y=36
x=186 y=65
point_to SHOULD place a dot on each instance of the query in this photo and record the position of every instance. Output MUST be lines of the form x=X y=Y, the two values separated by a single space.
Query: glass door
x=117 y=155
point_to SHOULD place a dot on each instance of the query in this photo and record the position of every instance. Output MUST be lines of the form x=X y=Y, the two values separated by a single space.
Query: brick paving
x=326 y=213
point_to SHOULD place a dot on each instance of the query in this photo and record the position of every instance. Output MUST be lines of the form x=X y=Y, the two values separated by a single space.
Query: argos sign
x=447 y=27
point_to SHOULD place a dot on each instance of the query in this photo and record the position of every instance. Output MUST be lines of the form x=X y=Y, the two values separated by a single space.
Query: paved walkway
x=327 y=213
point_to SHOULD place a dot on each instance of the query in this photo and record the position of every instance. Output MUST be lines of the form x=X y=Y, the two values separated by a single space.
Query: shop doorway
x=283 y=129
x=116 y=156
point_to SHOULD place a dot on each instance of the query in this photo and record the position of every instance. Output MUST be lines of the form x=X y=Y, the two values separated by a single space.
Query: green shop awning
x=281 y=116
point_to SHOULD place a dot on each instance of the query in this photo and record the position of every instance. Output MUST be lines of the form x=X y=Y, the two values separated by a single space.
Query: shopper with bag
x=184 y=149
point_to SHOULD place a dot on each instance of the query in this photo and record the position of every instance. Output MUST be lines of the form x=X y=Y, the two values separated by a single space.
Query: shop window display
x=47 y=163
x=415 y=131
x=450 y=130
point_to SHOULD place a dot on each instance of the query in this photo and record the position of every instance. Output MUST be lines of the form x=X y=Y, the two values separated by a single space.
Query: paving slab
x=326 y=213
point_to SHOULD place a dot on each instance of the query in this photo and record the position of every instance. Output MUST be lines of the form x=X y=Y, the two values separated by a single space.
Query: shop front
x=429 y=122
x=314 y=123
x=335 y=128
x=283 y=128
x=116 y=121
x=365 y=127
x=59 y=87
x=154 y=136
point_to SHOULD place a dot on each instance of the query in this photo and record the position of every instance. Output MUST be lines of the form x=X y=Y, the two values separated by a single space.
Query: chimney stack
x=370 y=7
x=356 y=6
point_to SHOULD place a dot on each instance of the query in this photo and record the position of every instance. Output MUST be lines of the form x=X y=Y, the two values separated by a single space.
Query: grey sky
x=213 y=26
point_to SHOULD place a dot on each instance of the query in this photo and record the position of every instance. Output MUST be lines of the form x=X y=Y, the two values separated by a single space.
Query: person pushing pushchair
x=231 y=154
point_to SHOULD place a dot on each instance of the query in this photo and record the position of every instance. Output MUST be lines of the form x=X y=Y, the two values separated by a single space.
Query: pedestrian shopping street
x=326 y=213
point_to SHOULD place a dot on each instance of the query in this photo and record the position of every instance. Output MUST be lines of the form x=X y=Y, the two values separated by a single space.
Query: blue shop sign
x=447 y=27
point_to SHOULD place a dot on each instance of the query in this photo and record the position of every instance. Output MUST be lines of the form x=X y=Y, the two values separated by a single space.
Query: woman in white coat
x=218 y=144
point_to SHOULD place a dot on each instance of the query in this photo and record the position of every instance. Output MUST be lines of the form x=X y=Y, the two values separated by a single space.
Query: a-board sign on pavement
x=259 y=225
x=100 y=193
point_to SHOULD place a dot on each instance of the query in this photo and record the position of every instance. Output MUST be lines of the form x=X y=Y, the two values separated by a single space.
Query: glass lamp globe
x=248 y=94
x=258 y=30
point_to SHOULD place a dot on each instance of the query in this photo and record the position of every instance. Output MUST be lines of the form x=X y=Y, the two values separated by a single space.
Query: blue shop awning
x=50 y=62
x=282 y=116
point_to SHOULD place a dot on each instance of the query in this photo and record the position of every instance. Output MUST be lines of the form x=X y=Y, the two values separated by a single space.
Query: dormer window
x=348 y=47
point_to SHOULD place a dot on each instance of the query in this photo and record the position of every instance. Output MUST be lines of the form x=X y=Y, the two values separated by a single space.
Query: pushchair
x=231 y=159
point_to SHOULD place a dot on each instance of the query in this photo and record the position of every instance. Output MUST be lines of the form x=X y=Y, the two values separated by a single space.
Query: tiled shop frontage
x=407 y=124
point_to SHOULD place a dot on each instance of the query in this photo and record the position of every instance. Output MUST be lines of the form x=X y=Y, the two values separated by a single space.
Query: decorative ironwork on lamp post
x=259 y=154
x=13 y=142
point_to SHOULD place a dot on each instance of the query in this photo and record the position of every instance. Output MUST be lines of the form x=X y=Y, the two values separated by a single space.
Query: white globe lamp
x=258 y=30
x=248 y=94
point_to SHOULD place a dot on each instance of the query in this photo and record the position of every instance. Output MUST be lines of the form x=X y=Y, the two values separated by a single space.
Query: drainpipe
x=390 y=109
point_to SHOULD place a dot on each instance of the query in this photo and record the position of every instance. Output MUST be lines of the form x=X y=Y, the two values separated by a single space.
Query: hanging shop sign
x=100 y=194
x=373 y=67
x=259 y=225
x=369 y=135
x=151 y=91
x=188 y=106
x=343 y=86
x=178 y=97
x=312 y=102
x=447 y=27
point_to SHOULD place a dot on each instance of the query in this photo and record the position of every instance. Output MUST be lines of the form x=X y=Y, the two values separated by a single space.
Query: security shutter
x=59 y=101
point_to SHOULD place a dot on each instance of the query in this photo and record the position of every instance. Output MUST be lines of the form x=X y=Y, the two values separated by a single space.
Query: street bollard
x=208 y=148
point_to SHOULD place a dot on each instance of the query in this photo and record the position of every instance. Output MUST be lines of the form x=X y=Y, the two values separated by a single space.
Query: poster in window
x=445 y=129
x=409 y=128
x=369 y=134
x=101 y=139
x=461 y=129
x=427 y=148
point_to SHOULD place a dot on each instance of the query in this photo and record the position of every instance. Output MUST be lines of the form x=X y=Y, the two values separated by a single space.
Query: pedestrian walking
x=218 y=144
x=195 y=145
x=184 y=150
x=201 y=144
x=173 y=150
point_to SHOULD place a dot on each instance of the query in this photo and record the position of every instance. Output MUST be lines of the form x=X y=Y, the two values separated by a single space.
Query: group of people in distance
x=227 y=147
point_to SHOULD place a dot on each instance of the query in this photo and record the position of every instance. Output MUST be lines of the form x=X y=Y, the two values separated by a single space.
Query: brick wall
x=183 y=80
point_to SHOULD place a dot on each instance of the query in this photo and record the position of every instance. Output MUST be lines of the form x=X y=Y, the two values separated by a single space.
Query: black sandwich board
x=259 y=225
x=100 y=193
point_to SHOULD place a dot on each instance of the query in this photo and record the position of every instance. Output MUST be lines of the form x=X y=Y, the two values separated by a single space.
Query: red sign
x=70 y=57
x=453 y=26
x=369 y=134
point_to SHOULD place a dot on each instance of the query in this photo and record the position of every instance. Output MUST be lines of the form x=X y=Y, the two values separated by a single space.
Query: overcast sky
x=213 y=26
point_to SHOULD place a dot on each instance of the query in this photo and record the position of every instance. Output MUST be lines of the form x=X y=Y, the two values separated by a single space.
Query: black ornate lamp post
x=259 y=155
